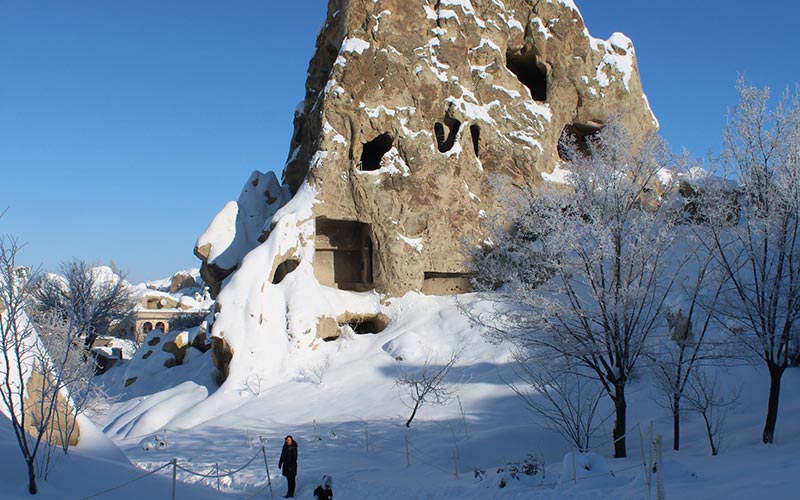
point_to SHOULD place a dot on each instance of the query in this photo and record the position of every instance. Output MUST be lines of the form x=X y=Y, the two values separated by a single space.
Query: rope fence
x=400 y=446
x=214 y=473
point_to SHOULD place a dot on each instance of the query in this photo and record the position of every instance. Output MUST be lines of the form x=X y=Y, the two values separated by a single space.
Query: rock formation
x=411 y=109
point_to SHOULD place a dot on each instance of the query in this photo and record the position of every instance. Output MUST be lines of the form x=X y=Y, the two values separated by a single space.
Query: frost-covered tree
x=706 y=397
x=94 y=300
x=759 y=250
x=584 y=271
x=685 y=346
x=45 y=379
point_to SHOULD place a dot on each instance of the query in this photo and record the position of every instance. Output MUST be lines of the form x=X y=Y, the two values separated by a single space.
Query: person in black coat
x=324 y=491
x=288 y=464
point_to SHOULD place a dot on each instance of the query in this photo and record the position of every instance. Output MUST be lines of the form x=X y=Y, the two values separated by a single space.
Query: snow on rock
x=237 y=227
x=359 y=155
x=356 y=45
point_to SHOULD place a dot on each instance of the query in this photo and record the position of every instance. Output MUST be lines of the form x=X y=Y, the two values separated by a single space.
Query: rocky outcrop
x=412 y=108
x=181 y=281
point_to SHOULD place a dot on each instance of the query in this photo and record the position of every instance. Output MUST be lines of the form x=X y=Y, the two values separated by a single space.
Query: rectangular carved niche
x=446 y=283
x=343 y=255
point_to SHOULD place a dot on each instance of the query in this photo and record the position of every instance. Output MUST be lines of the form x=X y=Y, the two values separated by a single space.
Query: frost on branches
x=582 y=276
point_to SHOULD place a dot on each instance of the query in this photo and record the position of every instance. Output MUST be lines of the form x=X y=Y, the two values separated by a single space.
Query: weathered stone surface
x=413 y=110
x=180 y=281
x=62 y=420
x=409 y=71
x=159 y=302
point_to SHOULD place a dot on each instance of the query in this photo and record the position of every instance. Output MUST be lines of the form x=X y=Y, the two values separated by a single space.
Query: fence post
x=266 y=466
x=408 y=455
x=647 y=476
x=455 y=462
x=574 y=469
x=165 y=437
x=174 y=473
x=249 y=439
x=463 y=416
x=366 y=435
x=659 y=477
x=316 y=436
x=216 y=469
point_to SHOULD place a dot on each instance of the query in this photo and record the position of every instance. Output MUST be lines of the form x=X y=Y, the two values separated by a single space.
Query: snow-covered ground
x=342 y=406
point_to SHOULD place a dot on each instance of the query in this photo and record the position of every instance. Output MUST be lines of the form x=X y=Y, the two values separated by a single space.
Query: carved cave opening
x=581 y=134
x=343 y=254
x=373 y=152
x=529 y=71
x=361 y=324
x=439 y=283
x=475 y=133
x=283 y=269
x=445 y=143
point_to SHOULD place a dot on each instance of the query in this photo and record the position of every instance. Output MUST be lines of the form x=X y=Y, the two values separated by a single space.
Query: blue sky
x=125 y=126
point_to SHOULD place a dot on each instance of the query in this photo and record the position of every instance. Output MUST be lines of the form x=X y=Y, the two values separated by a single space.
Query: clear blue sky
x=125 y=126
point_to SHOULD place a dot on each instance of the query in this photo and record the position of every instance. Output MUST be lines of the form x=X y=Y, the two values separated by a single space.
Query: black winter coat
x=323 y=493
x=288 y=461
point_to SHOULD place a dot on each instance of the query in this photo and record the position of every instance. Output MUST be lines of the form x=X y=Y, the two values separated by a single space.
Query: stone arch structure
x=146 y=320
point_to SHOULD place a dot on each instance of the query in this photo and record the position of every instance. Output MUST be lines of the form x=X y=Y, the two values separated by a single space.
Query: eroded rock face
x=412 y=105
x=412 y=108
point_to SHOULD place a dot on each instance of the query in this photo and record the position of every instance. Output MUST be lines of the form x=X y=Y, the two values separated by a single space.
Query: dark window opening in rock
x=580 y=134
x=161 y=326
x=475 y=132
x=283 y=269
x=369 y=324
x=343 y=255
x=532 y=73
x=439 y=283
x=374 y=150
x=147 y=327
x=445 y=143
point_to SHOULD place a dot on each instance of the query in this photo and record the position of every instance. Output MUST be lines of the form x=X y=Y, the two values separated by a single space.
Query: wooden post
x=216 y=468
x=644 y=463
x=174 y=473
x=408 y=455
x=366 y=435
x=463 y=416
x=266 y=466
x=574 y=469
x=659 y=476
x=316 y=436
x=455 y=462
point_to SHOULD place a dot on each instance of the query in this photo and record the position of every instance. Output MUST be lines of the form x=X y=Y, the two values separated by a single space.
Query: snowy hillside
x=342 y=405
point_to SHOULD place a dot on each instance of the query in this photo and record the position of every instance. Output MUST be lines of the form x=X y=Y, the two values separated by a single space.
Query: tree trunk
x=775 y=373
x=32 y=489
x=620 y=408
x=413 y=414
x=676 y=424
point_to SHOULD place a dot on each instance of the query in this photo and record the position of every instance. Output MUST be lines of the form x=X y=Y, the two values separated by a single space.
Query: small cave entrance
x=161 y=326
x=360 y=324
x=373 y=152
x=440 y=283
x=580 y=134
x=283 y=269
x=343 y=254
x=475 y=133
x=530 y=71
x=445 y=142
